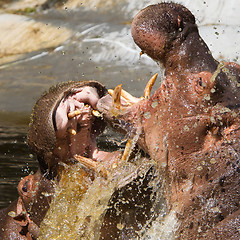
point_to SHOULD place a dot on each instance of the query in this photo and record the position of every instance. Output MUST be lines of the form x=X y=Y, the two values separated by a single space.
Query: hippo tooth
x=72 y=131
x=110 y=91
x=127 y=97
x=127 y=150
x=96 y=113
x=148 y=88
x=91 y=164
x=74 y=114
x=116 y=97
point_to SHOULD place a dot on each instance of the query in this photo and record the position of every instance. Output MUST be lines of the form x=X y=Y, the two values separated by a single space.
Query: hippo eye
x=199 y=85
x=24 y=188
x=200 y=81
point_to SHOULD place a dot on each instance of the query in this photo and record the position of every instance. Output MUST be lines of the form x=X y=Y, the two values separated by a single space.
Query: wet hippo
x=62 y=126
x=62 y=132
x=21 y=219
x=189 y=126
x=69 y=136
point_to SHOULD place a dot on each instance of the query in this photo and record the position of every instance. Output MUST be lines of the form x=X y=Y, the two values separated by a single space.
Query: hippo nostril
x=200 y=81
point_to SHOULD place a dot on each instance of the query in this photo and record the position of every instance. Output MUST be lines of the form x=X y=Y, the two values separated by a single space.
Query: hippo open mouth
x=76 y=124
x=65 y=123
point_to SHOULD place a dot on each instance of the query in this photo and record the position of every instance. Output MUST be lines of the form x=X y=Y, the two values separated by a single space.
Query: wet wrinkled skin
x=190 y=125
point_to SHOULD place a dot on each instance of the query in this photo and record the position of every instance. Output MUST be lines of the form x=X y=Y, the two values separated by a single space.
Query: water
x=16 y=160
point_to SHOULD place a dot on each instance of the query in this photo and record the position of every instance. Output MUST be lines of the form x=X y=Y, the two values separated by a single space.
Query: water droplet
x=213 y=161
x=216 y=209
x=186 y=128
x=207 y=97
x=199 y=168
x=147 y=115
x=213 y=90
x=12 y=214
x=154 y=104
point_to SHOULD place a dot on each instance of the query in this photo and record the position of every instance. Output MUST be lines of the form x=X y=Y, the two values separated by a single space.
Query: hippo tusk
x=73 y=114
x=118 y=92
x=116 y=101
x=93 y=165
x=148 y=88
x=127 y=97
x=127 y=150
x=116 y=97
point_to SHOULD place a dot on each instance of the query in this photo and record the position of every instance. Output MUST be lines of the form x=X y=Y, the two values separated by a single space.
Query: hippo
x=55 y=135
x=62 y=133
x=62 y=124
x=73 y=122
x=22 y=218
x=190 y=126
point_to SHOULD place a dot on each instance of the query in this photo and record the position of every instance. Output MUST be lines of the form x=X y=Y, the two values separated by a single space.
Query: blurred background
x=45 y=42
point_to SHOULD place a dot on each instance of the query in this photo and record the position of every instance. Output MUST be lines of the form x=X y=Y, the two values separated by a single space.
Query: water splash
x=80 y=202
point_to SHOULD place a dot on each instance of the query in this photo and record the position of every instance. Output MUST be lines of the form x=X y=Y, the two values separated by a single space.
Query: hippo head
x=156 y=27
x=36 y=192
x=194 y=82
x=168 y=34
x=44 y=135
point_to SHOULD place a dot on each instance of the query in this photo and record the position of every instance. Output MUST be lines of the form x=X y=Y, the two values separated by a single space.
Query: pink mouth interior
x=83 y=141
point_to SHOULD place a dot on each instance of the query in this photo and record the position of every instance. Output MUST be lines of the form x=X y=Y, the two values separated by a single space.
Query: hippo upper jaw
x=168 y=34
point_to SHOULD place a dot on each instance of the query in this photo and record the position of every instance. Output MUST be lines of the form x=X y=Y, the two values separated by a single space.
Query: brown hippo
x=63 y=129
x=21 y=219
x=62 y=125
x=190 y=126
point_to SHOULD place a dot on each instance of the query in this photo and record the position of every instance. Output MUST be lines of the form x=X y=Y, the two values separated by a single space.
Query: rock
x=20 y=35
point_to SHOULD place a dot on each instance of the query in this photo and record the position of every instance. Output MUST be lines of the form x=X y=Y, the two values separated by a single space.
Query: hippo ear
x=227 y=86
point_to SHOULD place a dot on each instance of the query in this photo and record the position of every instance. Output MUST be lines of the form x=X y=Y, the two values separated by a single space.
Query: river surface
x=101 y=48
